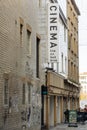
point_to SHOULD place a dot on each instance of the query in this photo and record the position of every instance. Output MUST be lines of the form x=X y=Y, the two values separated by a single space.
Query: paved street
x=65 y=127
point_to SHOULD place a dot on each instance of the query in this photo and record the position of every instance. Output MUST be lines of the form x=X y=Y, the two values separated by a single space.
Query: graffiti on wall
x=30 y=115
x=36 y=107
x=25 y=116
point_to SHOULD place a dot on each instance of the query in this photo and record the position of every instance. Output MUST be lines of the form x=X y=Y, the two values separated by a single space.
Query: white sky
x=82 y=4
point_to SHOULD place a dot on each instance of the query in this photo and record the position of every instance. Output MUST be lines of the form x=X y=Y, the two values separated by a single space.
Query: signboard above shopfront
x=44 y=90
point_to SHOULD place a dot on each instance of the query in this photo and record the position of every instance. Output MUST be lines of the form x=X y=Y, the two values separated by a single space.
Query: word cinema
x=53 y=16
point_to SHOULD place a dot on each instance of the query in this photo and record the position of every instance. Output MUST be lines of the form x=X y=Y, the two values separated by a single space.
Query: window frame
x=6 y=92
x=28 y=41
x=37 y=55
x=29 y=92
x=23 y=94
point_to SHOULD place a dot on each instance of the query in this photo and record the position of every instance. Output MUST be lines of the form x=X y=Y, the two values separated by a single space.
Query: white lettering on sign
x=53 y=19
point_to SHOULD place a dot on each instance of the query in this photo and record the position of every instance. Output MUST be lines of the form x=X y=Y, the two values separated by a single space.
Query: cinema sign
x=53 y=19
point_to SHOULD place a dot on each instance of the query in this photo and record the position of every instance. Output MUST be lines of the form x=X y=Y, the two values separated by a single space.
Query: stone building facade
x=63 y=89
x=83 y=92
x=72 y=81
x=25 y=69
x=20 y=98
x=52 y=103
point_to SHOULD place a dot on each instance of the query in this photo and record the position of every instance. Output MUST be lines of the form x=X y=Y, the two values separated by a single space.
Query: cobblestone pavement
x=65 y=127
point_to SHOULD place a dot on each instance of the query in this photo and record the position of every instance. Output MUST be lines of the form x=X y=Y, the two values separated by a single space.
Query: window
x=37 y=56
x=29 y=93
x=51 y=1
x=21 y=30
x=69 y=41
x=62 y=62
x=71 y=69
x=64 y=34
x=6 y=96
x=21 y=33
x=39 y=3
x=23 y=94
x=28 y=41
x=65 y=64
x=58 y=67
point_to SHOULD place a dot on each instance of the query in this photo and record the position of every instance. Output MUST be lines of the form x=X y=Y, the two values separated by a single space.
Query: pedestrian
x=66 y=116
x=85 y=109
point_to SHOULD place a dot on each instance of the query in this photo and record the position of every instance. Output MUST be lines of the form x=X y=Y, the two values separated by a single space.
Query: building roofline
x=75 y=6
x=62 y=16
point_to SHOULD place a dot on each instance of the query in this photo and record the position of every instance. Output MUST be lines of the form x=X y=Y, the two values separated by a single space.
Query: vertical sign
x=53 y=19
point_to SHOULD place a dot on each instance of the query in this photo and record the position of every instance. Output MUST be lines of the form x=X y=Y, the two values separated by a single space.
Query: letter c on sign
x=53 y=8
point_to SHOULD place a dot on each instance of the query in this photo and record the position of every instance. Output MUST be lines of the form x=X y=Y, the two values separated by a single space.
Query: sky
x=82 y=5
